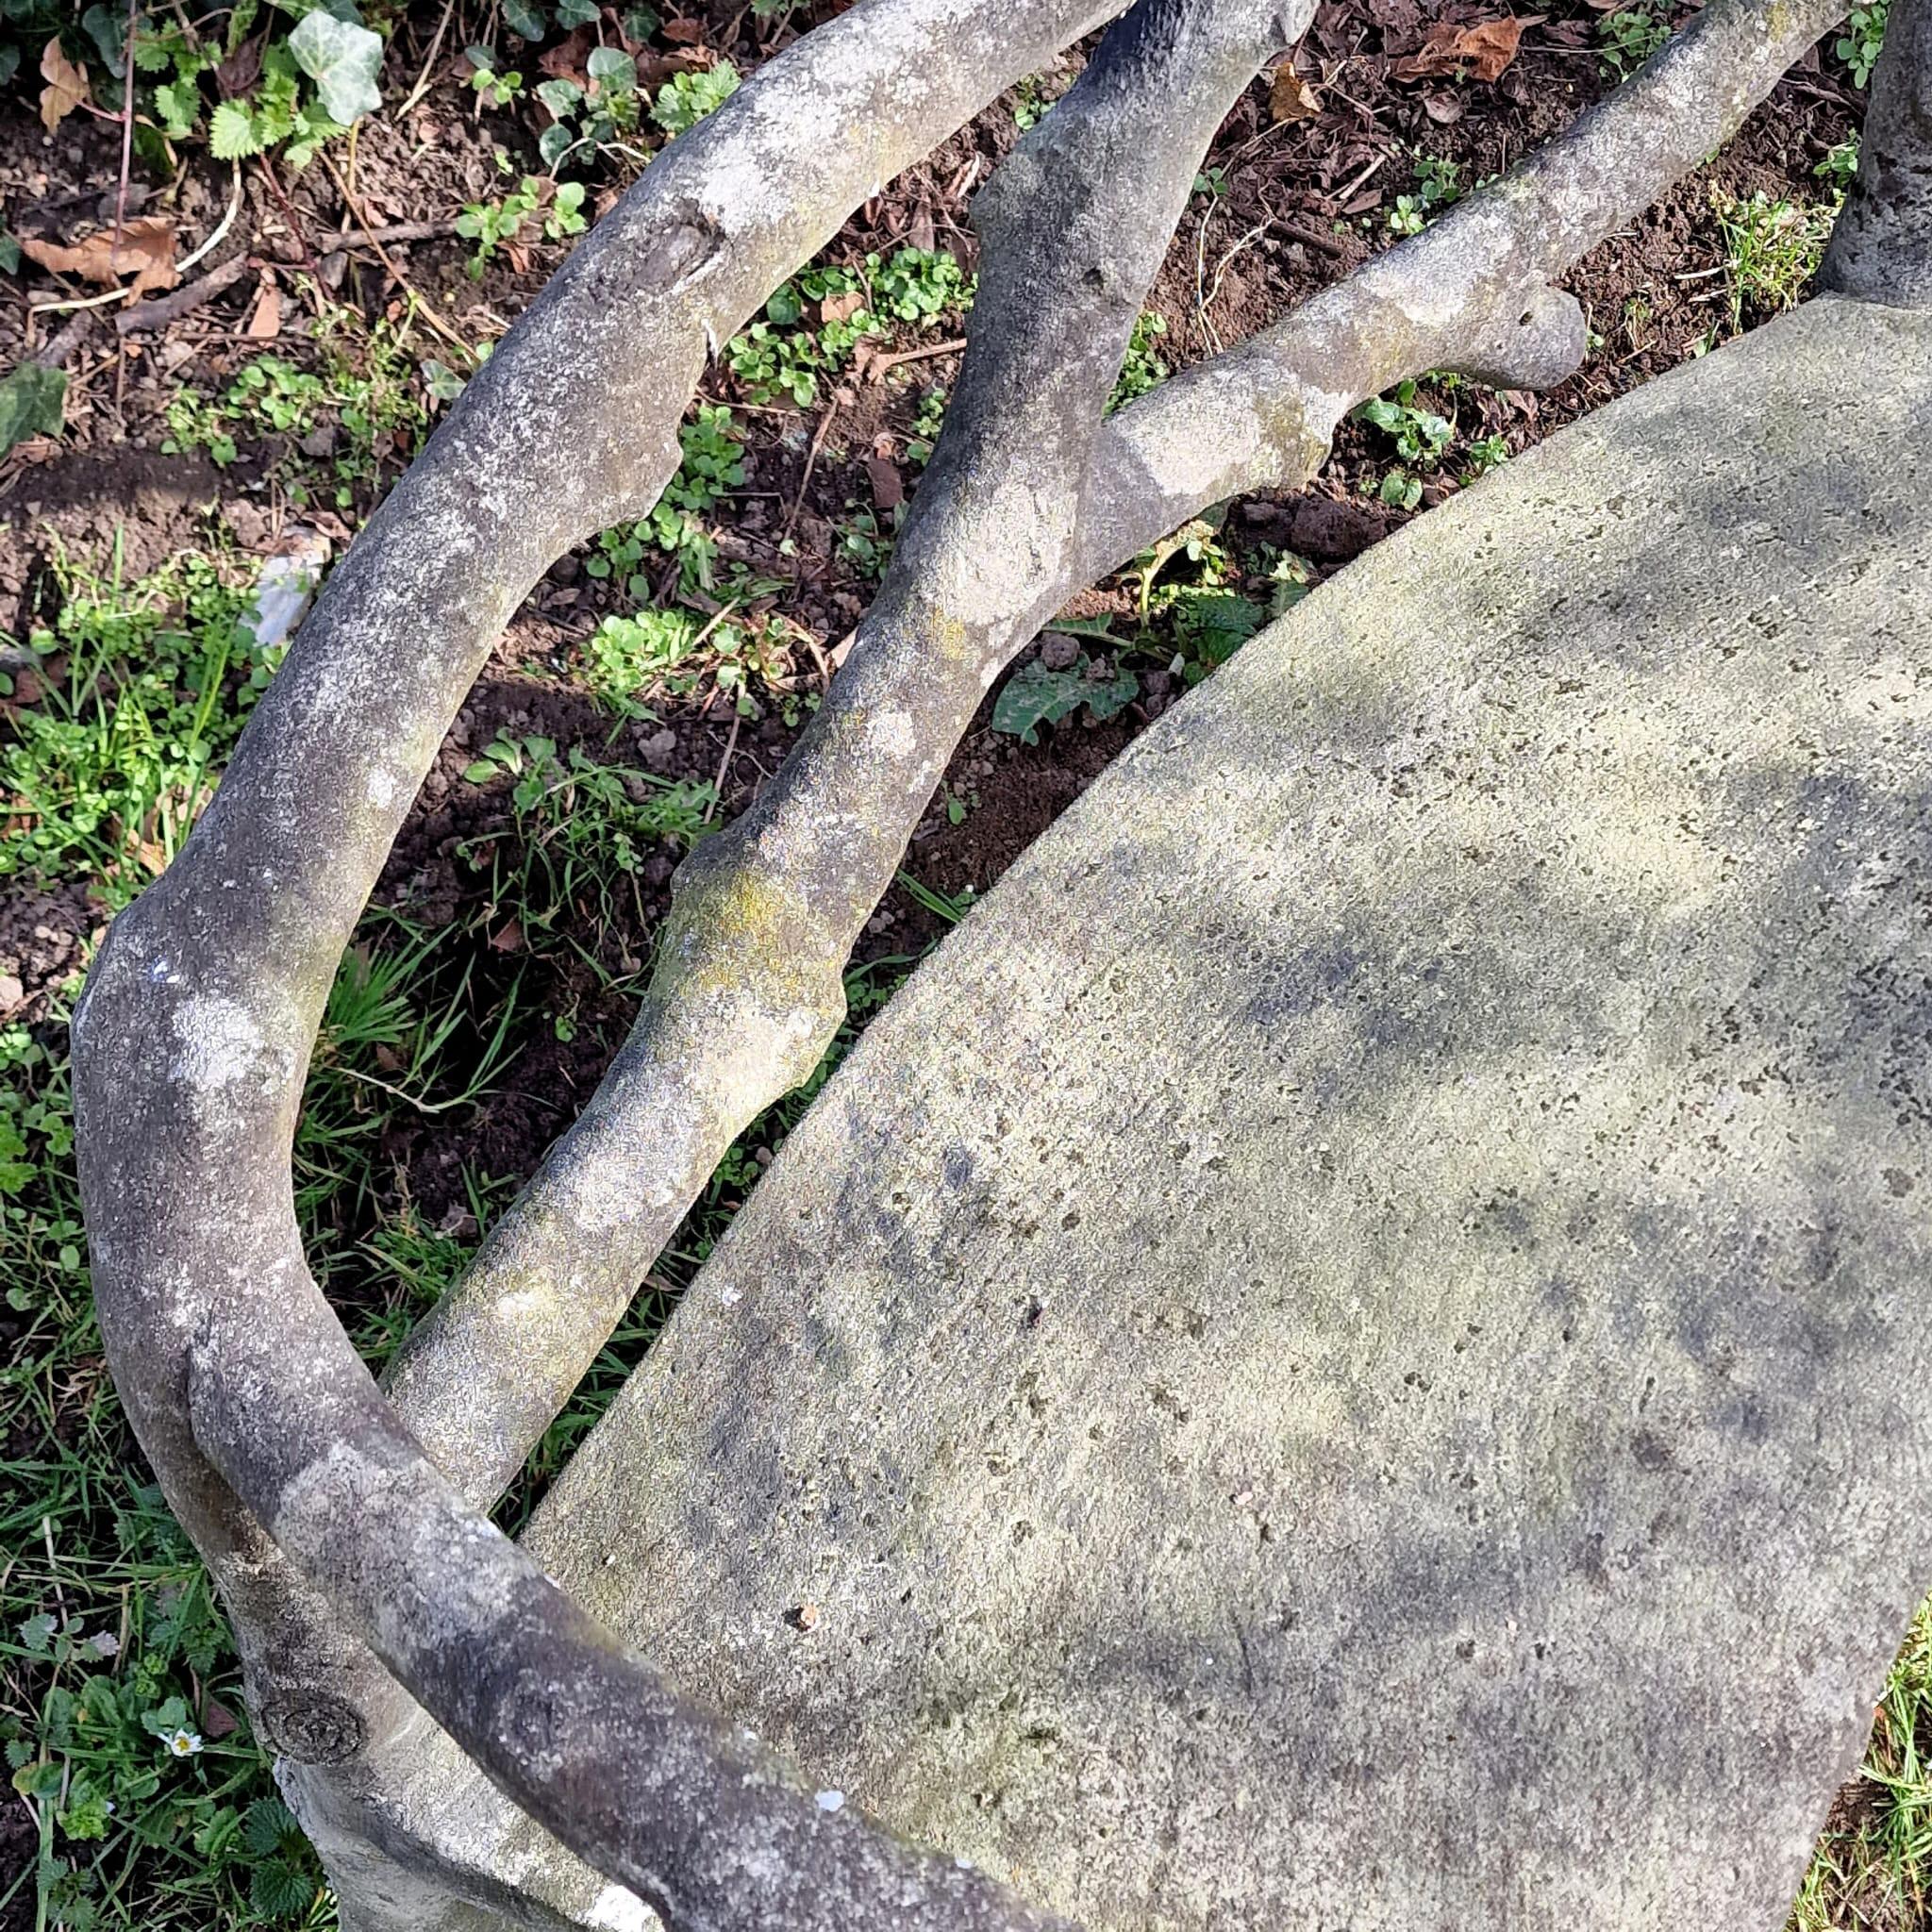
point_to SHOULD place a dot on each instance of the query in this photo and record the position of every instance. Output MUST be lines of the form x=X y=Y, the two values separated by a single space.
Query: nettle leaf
x=178 y=101
x=36 y=1634
x=277 y=1890
x=342 y=60
x=1034 y=697
x=265 y=1824
x=30 y=399
x=232 y=132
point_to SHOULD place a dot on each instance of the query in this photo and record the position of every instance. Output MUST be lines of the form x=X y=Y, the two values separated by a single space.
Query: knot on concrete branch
x=312 y=1727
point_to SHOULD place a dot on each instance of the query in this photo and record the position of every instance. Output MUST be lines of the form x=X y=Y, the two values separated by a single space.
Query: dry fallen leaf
x=1485 y=49
x=570 y=58
x=1290 y=97
x=888 y=486
x=841 y=307
x=145 y=251
x=66 y=86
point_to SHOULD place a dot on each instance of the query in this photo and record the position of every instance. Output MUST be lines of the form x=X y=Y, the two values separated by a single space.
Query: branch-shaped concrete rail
x=206 y=1274
x=747 y=989
x=572 y=425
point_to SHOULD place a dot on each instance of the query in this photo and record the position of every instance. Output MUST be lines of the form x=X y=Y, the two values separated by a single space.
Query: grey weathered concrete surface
x=1354 y=1351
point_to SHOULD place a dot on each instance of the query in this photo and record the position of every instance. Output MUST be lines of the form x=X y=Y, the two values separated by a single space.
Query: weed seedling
x=1772 y=250
x=1143 y=369
x=685 y=99
x=1865 y=35
x=1630 y=36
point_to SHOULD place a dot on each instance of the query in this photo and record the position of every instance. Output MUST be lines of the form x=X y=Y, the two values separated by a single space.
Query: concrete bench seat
x=1354 y=1351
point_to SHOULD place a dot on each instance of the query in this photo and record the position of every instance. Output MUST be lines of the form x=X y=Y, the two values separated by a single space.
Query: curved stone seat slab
x=1353 y=1350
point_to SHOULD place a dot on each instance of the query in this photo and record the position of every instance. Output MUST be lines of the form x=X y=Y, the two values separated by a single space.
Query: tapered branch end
x=1534 y=343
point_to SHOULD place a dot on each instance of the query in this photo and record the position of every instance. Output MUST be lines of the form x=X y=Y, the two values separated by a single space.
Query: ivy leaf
x=524 y=20
x=107 y=28
x=30 y=399
x=342 y=60
x=612 y=72
x=232 y=132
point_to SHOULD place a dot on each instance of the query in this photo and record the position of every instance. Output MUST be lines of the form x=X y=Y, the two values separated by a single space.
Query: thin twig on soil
x=388 y=261
x=126 y=136
x=811 y=457
x=295 y=228
x=724 y=768
x=422 y=79
x=877 y=370
x=1312 y=237
x=184 y=301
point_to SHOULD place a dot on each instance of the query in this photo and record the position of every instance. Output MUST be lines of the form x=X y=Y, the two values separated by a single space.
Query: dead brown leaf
x=841 y=307
x=66 y=88
x=1290 y=97
x=508 y=938
x=888 y=486
x=241 y=69
x=1484 y=50
x=571 y=57
x=145 y=251
x=684 y=29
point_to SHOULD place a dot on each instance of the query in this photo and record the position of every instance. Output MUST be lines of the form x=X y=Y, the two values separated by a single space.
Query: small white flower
x=831 y=1801
x=183 y=1743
